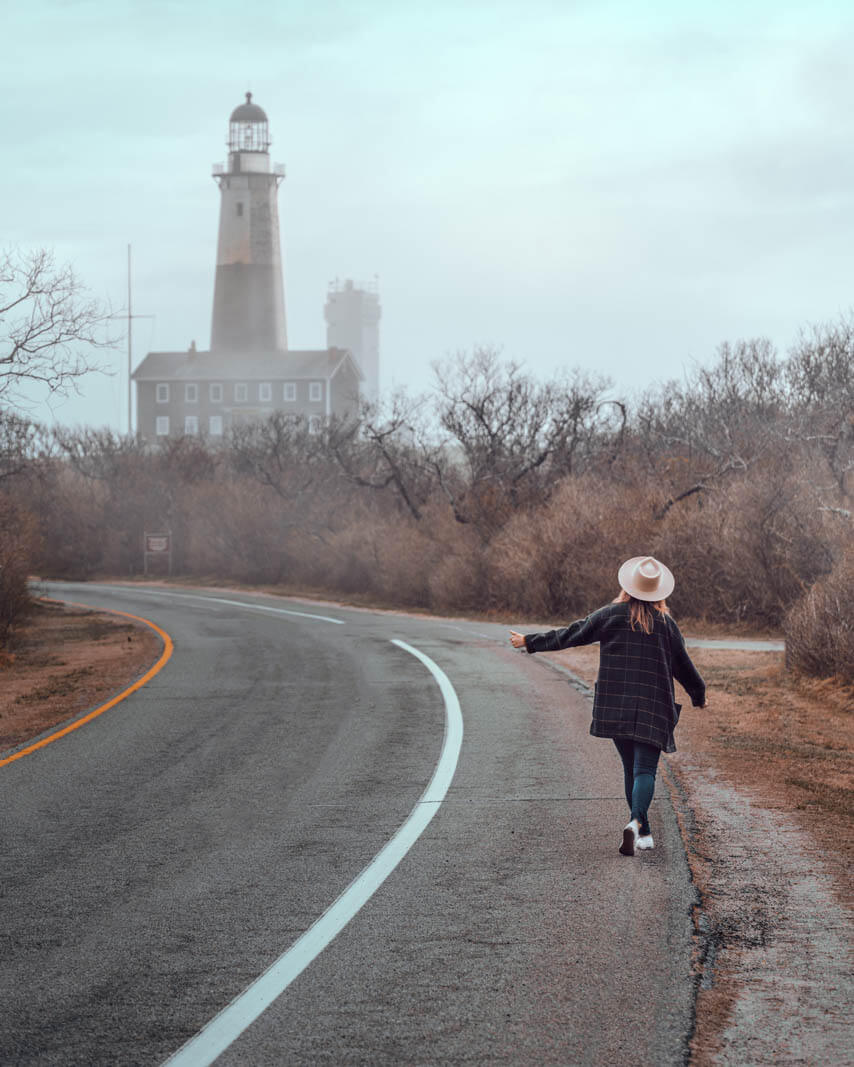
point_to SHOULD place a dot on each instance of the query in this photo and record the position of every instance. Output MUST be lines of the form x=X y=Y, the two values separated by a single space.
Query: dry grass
x=65 y=661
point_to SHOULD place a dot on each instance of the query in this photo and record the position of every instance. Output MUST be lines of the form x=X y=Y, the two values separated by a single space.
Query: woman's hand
x=517 y=640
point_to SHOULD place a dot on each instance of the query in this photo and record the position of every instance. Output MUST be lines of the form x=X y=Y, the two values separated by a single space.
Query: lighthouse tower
x=249 y=297
x=352 y=315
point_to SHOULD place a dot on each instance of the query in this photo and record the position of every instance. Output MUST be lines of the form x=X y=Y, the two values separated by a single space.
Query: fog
x=593 y=184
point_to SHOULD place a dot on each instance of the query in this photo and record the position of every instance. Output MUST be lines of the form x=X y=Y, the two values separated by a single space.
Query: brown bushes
x=390 y=562
x=746 y=551
x=515 y=498
x=820 y=627
x=461 y=578
x=237 y=531
x=17 y=546
x=563 y=557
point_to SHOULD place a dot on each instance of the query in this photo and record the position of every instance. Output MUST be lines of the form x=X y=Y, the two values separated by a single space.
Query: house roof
x=244 y=366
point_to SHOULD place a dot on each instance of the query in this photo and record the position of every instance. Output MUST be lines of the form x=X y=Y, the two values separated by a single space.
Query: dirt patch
x=763 y=784
x=65 y=661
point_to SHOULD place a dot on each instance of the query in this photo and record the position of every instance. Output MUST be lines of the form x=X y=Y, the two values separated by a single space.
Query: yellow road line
x=168 y=647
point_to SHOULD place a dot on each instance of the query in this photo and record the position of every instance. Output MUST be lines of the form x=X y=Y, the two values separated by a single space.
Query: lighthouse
x=249 y=296
x=249 y=374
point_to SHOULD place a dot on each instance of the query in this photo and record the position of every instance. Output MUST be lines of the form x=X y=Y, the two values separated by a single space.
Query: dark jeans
x=640 y=762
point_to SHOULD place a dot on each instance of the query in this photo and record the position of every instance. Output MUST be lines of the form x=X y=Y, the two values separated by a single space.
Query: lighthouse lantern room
x=249 y=298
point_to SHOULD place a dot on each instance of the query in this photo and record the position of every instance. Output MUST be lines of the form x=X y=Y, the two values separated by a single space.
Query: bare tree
x=387 y=450
x=720 y=421
x=820 y=378
x=512 y=437
x=48 y=325
x=101 y=455
x=283 y=455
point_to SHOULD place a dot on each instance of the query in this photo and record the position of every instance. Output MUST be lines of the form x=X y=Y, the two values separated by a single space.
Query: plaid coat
x=634 y=695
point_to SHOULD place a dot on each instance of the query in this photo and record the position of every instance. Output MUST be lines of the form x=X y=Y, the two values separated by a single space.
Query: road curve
x=159 y=859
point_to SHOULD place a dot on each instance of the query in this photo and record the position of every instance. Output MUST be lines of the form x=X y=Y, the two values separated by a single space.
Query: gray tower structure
x=352 y=315
x=249 y=296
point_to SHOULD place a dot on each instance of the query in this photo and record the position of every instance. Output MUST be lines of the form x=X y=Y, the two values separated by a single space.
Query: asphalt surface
x=158 y=859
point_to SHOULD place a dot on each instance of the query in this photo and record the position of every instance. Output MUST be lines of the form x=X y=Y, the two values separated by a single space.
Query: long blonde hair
x=641 y=615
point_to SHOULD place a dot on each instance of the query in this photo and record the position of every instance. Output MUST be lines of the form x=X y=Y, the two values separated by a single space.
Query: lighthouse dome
x=248 y=112
x=247 y=128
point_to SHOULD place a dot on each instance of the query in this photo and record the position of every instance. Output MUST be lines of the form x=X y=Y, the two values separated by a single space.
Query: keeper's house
x=209 y=392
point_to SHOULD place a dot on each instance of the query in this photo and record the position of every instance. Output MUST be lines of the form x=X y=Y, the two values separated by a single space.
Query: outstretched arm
x=582 y=632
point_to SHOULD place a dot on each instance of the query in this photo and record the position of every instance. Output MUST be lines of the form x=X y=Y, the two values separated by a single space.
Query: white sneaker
x=644 y=841
x=630 y=838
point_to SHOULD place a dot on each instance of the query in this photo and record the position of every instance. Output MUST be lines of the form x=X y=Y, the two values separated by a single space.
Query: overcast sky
x=614 y=185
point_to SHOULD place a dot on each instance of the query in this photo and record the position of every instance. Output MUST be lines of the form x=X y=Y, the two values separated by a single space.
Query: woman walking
x=641 y=651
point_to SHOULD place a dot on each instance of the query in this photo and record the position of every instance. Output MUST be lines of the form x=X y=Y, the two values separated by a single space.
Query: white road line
x=275 y=611
x=229 y=1024
x=237 y=604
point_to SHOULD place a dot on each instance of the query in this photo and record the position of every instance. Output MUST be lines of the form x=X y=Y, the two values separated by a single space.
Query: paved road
x=157 y=860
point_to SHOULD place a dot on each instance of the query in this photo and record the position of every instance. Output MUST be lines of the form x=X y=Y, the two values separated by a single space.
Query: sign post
x=157 y=546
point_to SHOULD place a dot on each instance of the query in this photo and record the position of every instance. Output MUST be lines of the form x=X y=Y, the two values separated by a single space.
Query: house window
x=162 y=424
x=239 y=207
x=191 y=394
x=315 y=391
x=215 y=426
x=216 y=393
x=265 y=392
x=191 y=424
x=241 y=393
x=290 y=392
x=314 y=424
x=163 y=394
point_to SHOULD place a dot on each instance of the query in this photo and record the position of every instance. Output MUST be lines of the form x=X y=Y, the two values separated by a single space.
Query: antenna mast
x=130 y=317
x=130 y=343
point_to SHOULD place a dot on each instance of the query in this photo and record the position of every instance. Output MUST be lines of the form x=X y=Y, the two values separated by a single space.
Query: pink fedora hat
x=645 y=578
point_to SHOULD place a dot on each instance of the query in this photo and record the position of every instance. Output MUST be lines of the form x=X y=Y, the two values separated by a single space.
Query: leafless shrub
x=820 y=380
x=819 y=629
x=746 y=552
x=24 y=445
x=562 y=559
x=17 y=548
x=75 y=526
x=390 y=559
x=460 y=579
x=239 y=531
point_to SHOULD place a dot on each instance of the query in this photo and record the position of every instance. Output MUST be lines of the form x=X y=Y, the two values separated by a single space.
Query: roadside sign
x=156 y=546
